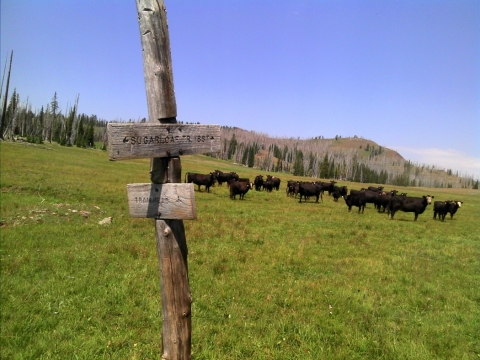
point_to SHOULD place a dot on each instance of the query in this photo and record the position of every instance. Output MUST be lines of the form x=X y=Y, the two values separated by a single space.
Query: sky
x=403 y=73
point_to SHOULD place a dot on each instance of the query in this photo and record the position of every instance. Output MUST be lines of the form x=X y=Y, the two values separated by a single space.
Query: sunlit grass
x=270 y=278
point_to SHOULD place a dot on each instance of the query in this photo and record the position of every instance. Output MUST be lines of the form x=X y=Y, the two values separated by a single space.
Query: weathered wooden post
x=165 y=200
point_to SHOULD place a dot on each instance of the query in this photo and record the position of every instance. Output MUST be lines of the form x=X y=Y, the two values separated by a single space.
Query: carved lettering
x=145 y=200
x=129 y=141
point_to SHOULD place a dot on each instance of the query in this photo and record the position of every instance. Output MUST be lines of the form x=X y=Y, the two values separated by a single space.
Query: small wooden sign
x=150 y=140
x=162 y=201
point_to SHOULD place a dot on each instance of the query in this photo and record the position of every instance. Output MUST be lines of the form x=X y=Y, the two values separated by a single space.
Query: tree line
x=49 y=124
x=317 y=157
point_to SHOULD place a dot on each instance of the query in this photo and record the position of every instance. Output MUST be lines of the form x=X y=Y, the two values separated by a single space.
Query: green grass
x=270 y=278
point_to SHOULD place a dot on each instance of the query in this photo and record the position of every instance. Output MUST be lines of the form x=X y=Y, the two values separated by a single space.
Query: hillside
x=352 y=159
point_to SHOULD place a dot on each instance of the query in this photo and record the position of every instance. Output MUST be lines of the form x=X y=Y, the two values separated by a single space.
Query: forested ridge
x=340 y=158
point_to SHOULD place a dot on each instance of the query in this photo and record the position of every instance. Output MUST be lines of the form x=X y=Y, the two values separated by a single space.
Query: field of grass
x=270 y=278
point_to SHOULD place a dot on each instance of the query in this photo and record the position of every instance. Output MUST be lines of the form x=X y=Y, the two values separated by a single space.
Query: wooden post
x=170 y=234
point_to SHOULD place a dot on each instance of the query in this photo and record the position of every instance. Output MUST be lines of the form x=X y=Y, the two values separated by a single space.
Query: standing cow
x=416 y=205
x=453 y=210
x=258 y=182
x=239 y=188
x=275 y=181
x=357 y=200
x=309 y=189
x=225 y=177
x=339 y=191
x=200 y=180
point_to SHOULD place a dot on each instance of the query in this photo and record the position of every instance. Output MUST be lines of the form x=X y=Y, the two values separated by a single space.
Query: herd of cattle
x=386 y=201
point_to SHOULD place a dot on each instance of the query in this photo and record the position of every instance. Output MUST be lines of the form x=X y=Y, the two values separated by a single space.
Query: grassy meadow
x=270 y=278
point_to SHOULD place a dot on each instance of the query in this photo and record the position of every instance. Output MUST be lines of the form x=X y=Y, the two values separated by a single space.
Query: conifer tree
x=54 y=113
x=251 y=157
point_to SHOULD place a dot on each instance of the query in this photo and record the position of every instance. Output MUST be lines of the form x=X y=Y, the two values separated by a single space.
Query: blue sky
x=405 y=74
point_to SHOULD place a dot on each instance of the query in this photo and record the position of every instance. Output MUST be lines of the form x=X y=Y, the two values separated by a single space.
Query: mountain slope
x=352 y=158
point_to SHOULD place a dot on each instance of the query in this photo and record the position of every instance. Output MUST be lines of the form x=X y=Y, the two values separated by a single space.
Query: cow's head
x=459 y=203
x=429 y=199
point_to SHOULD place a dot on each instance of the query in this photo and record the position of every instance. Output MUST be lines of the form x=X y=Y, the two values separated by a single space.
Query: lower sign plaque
x=162 y=201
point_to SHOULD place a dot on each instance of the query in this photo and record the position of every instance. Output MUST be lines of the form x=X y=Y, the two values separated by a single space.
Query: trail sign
x=162 y=201
x=150 y=140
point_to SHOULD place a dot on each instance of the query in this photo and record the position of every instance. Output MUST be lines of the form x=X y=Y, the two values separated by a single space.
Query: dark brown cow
x=275 y=181
x=258 y=182
x=201 y=180
x=239 y=188
x=225 y=177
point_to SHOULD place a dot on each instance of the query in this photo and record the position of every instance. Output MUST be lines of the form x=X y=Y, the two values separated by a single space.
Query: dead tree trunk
x=170 y=234
x=4 y=112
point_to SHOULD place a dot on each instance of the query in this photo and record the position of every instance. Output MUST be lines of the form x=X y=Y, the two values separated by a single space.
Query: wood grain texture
x=175 y=289
x=150 y=140
x=157 y=59
x=172 y=247
x=162 y=201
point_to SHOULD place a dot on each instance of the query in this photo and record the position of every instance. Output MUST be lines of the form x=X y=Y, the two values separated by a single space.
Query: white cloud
x=466 y=165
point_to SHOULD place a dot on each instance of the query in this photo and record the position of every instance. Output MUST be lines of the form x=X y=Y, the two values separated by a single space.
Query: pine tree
x=232 y=147
x=251 y=157
x=90 y=135
x=245 y=155
x=324 y=168
x=54 y=113
x=79 y=141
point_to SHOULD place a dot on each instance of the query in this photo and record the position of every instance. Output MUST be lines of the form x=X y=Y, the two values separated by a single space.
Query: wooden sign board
x=162 y=201
x=150 y=140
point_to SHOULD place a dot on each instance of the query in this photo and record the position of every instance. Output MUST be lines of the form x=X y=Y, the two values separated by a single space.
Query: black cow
x=290 y=190
x=339 y=191
x=442 y=208
x=239 y=188
x=225 y=177
x=327 y=186
x=268 y=185
x=309 y=189
x=454 y=210
x=355 y=200
x=416 y=205
x=382 y=201
x=370 y=196
x=275 y=181
x=200 y=179
x=258 y=182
